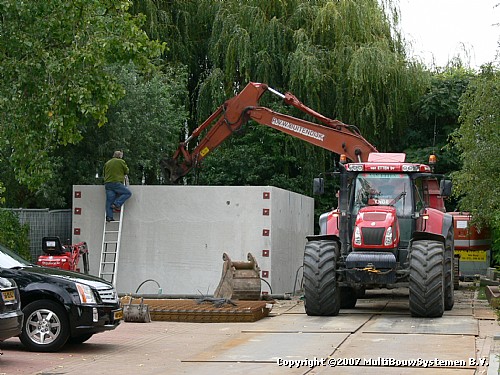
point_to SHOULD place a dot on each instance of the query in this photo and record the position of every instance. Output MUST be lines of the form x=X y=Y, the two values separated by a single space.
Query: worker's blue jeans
x=116 y=193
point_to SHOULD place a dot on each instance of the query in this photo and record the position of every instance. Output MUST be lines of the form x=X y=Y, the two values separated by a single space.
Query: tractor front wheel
x=321 y=292
x=427 y=279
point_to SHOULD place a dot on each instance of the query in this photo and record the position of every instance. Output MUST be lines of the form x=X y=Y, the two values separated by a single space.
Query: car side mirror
x=318 y=186
x=445 y=187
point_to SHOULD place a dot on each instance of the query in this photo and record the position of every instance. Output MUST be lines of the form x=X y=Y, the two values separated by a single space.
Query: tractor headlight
x=85 y=293
x=357 y=236
x=388 y=236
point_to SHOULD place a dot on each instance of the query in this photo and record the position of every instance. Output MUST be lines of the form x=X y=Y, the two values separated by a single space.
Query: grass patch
x=481 y=293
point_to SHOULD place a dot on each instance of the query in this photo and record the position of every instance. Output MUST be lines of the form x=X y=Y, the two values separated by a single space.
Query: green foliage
x=54 y=77
x=339 y=57
x=13 y=234
x=144 y=123
x=147 y=121
x=438 y=108
x=437 y=114
x=346 y=59
x=478 y=142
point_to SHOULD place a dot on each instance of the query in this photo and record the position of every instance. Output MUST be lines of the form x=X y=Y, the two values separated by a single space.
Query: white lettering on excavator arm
x=298 y=129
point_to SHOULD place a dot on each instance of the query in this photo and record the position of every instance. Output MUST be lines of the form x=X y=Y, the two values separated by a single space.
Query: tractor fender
x=417 y=236
x=320 y=237
x=448 y=226
x=439 y=223
x=328 y=237
x=329 y=222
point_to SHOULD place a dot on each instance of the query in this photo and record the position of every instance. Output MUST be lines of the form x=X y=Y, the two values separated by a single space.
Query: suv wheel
x=46 y=327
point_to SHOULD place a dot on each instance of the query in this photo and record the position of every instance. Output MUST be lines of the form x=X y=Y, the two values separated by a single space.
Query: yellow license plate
x=8 y=295
x=472 y=255
x=118 y=315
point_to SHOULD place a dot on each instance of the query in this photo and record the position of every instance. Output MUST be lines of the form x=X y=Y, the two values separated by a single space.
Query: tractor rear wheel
x=456 y=272
x=426 y=279
x=321 y=292
x=449 y=271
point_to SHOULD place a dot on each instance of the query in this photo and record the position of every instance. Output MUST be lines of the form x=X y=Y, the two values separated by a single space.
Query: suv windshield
x=383 y=189
x=9 y=259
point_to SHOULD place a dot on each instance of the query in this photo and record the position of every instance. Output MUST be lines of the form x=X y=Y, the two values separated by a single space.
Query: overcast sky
x=440 y=29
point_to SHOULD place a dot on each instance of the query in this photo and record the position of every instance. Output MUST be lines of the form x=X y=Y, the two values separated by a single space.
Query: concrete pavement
x=378 y=336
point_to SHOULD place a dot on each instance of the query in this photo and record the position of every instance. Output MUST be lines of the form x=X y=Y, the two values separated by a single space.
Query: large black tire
x=427 y=279
x=46 y=327
x=321 y=292
x=449 y=271
x=456 y=272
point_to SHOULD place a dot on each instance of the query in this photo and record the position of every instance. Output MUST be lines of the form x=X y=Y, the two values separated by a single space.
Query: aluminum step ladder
x=111 y=238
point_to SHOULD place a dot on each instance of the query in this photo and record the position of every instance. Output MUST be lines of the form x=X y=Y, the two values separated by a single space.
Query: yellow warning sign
x=472 y=255
x=205 y=151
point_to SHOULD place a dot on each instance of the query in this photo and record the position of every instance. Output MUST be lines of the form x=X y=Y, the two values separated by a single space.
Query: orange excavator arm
x=332 y=135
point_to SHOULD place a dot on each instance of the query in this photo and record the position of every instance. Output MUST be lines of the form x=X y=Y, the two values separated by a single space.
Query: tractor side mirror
x=318 y=186
x=445 y=188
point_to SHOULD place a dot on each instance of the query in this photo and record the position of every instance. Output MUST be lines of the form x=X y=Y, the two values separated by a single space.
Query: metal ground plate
x=311 y=324
x=446 y=325
x=268 y=347
x=188 y=310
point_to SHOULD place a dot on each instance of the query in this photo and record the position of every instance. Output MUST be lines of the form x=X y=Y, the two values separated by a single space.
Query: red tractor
x=390 y=228
x=65 y=257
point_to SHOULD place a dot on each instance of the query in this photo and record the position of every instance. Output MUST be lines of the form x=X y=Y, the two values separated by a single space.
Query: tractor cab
x=381 y=210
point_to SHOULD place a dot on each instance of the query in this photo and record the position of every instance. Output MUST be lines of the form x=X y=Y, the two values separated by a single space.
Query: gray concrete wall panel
x=177 y=235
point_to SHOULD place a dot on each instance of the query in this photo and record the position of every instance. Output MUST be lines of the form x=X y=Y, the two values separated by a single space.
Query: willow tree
x=344 y=58
x=185 y=27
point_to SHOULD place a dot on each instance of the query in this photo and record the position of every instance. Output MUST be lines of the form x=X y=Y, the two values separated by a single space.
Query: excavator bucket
x=135 y=312
x=240 y=280
x=171 y=169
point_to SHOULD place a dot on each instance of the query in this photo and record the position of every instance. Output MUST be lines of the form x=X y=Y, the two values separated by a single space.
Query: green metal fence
x=45 y=222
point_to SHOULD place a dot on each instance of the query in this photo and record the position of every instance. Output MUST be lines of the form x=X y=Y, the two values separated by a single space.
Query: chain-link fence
x=45 y=222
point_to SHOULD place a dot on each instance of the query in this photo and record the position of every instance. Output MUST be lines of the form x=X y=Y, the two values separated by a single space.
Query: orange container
x=468 y=236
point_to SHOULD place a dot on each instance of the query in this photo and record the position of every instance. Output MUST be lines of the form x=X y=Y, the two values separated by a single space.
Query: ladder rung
x=109 y=259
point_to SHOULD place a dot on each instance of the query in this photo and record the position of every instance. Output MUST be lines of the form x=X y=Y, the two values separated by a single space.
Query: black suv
x=11 y=316
x=60 y=306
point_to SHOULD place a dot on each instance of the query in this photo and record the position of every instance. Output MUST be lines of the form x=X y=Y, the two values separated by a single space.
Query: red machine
x=467 y=236
x=390 y=228
x=65 y=257
x=472 y=246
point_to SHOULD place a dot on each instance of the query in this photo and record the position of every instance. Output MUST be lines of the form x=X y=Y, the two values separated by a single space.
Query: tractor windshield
x=383 y=189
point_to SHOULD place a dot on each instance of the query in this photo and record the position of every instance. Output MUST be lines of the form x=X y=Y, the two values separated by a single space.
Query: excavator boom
x=332 y=135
